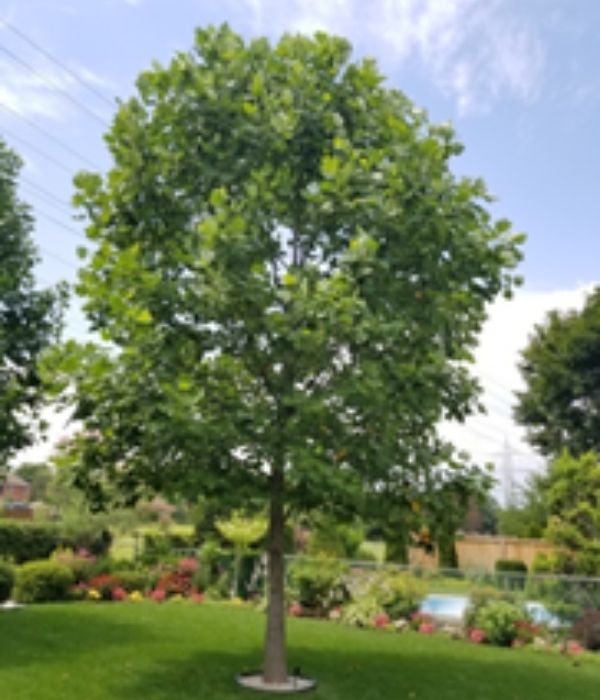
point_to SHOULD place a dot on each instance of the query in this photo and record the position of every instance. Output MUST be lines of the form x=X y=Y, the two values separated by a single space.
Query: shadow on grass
x=61 y=633
x=369 y=675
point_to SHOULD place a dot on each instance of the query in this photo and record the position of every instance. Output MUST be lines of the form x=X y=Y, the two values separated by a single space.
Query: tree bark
x=275 y=662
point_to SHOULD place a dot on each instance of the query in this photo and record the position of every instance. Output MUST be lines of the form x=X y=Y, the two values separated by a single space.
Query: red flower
x=426 y=628
x=477 y=636
x=119 y=593
x=574 y=648
x=295 y=610
x=381 y=620
x=188 y=565
x=158 y=594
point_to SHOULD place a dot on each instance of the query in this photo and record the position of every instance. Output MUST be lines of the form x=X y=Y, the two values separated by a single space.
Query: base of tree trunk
x=294 y=684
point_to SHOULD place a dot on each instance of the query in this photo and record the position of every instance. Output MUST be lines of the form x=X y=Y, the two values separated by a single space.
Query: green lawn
x=178 y=651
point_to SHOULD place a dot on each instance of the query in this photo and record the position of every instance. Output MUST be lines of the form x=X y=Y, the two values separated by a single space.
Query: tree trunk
x=275 y=662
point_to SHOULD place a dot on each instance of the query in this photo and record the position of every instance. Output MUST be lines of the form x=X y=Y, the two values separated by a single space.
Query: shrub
x=480 y=597
x=587 y=630
x=23 y=542
x=104 y=584
x=132 y=580
x=499 y=622
x=7 y=580
x=43 y=581
x=81 y=563
x=362 y=612
x=511 y=566
x=400 y=594
x=318 y=584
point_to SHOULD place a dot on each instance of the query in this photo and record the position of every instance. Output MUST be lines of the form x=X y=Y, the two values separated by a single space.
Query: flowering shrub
x=499 y=620
x=527 y=631
x=94 y=594
x=381 y=620
x=196 y=596
x=189 y=565
x=158 y=595
x=136 y=597
x=426 y=628
x=295 y=610
x=574 y=648
x=80 y=562
x=104 y=584
x=119 y=593
x=418 y=618
x=477 y=636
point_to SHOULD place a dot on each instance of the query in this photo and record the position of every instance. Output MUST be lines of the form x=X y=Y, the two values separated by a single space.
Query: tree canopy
x=29 y=318
x=560 y=406
x=291 y=280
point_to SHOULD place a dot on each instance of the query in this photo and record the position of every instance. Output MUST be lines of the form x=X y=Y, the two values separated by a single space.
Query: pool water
x=453 y=607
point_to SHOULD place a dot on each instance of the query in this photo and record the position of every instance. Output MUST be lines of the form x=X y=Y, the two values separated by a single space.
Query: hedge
x=24 y=541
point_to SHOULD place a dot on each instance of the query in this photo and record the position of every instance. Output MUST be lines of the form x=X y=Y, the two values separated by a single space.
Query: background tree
x=292 y=281
x=527 y=516
x=38 y=476
x=30 y=319
x=572 y=495
x=241 y=530
x=560 y=406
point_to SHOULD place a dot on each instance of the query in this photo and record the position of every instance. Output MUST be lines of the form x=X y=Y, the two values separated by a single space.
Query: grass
x=178 y=650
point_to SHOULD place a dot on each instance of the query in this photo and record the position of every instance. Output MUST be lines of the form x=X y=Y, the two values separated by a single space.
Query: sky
x=517 y=79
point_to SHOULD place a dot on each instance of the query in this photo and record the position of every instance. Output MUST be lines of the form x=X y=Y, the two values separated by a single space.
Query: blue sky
x=517 y=78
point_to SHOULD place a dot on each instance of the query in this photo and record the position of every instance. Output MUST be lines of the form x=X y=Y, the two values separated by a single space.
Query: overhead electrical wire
x=57 y=62
x=36 y=149
x=65 y=146
x=54 y=85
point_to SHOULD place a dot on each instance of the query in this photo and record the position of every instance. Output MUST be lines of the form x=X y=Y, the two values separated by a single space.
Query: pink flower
x=196 y=596
x=295 y=610
x=187 y=565
x=574 y=648
x=381 y=620
x=119 y=593
x=477 y=636
x=426 y=628
x=158 y=594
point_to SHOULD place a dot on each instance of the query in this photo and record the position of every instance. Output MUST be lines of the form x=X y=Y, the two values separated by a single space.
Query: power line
x=54 y=85
x=57 y=201
x=60 y=259
x=37 y=150
x=56 y=222
x=50 y=136
x=17 y=32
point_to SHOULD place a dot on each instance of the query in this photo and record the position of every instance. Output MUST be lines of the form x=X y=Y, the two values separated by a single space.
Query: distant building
x=15 y=494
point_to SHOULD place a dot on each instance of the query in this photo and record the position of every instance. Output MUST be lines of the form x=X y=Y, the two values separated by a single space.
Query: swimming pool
x=453 y=607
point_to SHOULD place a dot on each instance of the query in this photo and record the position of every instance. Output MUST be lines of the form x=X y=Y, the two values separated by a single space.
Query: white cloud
x=495 y=437
x=476 y=53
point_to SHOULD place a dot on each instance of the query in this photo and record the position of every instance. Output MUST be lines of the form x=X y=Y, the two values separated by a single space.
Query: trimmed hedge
x=42 y=582
x=25 y=541
x=511 y=566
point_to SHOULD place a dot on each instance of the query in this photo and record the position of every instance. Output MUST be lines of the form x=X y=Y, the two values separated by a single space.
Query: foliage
x=81 y=563
x=498 y=620
x=511 y=566
x=587 y=630
x=331 y=537
x=7 y=580
x=38 y=476
x=30 y=319
x=291 y=280
x=362 y=612
x=242 y=530
x=527 y=517
x=42 y=582
x=560 y=406
x=317 y=583
x=480 y=597
x=133 y=580
x=23 y=541
x=397 y=594
x=572 y=493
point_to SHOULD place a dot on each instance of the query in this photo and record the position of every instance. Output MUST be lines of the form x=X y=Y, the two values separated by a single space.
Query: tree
x=29 y=318
x=560 y=406
x=528 y=516
x=242 y=531
x=38 y=476
x=291 y=281
x=572 y=495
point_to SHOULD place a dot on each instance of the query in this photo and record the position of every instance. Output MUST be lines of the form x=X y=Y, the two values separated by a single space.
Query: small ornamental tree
x=30 y=319
x=291 y=281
